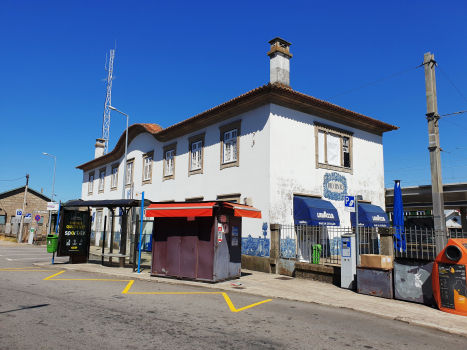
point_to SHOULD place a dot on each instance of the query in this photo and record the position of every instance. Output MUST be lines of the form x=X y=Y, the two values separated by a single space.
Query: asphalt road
x=70 y=311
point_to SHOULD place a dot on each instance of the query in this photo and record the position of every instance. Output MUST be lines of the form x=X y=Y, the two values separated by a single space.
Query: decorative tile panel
x=335 y=186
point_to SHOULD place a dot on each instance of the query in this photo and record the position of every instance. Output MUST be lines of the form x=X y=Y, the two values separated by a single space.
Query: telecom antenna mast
x=108 y=101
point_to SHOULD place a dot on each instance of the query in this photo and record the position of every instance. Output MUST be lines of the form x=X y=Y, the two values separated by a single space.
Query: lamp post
x=126 y=149
x=53 y=185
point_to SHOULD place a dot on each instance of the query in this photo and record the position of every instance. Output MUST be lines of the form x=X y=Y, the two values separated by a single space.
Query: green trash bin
x=317 y=253
x=52 y=243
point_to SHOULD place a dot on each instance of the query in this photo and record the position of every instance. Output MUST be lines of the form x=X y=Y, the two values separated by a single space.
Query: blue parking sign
x=349 y=203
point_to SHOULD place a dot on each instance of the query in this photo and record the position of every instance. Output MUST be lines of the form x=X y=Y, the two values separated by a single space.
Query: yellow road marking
x=226 y=297
x=127 y=288
x=47 y=278
x=130 y=283
x=232 y=307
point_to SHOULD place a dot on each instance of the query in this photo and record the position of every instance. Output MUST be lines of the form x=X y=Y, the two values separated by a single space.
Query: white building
x=261 y=148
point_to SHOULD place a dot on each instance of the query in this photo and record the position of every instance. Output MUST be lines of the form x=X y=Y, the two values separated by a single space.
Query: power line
x=459 y=126
x=451 y=114
x=454 y=154
x=425 y=154
x=377 y=81
x=19 y=178
x=460 y=93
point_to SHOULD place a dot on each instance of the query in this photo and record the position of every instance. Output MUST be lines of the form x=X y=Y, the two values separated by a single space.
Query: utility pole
x=435 y=156
x=20 y=237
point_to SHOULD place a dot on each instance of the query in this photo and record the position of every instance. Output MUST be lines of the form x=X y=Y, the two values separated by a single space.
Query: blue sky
x=176 y=59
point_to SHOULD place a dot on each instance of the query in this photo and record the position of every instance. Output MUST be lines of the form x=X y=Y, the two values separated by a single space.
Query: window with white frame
x=230 y=146
x=98 y=221
x=170 y=152
x=129 y=173
x=147 y=167
x=114 y=177
x=101 y=179
x=169 y=162
x=333 y=148
x=196 y=149
x=196 y=154
x=91 y=182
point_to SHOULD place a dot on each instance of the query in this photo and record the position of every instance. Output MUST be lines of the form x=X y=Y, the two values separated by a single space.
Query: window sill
x=113 y=189
x=168 y=177
x=194 y=172
x=335 y=168
x=146 y=182
x=230 y=164
x=128 y=185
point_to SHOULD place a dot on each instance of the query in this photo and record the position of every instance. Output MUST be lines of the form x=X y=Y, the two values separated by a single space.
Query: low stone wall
x=256 y=263
x=322 y=273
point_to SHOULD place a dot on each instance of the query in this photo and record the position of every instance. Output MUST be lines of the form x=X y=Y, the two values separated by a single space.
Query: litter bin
x=317 y=249
x=52 y=243
x=449 y=277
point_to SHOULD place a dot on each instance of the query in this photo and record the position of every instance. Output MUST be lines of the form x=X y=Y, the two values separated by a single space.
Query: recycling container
x=52 y=243
x=448 y=277
x=317 y=253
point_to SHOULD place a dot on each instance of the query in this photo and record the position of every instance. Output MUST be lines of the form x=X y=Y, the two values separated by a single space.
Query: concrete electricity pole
x=20 y=236
x=435 y=156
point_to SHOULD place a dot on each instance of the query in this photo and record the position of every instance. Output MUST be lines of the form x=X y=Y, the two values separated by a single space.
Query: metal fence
x=322 y=244
x=421 y=243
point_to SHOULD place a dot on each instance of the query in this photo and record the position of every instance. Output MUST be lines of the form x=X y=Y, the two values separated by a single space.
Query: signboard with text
x=73 y=233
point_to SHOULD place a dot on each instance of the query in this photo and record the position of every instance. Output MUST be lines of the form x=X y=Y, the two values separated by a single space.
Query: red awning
x=244 y=210
x=177 y=210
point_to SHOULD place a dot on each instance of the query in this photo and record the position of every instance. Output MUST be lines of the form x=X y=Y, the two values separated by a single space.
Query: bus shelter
x=75 y=229
x=198 y=240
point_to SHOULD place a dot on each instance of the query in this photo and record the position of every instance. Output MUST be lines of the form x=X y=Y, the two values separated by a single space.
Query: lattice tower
x=108 y=101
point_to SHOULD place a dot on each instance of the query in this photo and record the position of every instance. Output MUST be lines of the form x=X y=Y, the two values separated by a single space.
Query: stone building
x=36 y=204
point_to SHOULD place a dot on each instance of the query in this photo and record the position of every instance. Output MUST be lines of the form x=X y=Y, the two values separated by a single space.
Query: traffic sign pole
x=356 y=231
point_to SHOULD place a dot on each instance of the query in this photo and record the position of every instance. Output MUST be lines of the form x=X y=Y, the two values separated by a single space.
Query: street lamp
x=126 y=149
x=53 y=185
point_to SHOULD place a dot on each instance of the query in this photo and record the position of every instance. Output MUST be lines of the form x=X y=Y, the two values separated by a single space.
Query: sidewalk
x=276 y=286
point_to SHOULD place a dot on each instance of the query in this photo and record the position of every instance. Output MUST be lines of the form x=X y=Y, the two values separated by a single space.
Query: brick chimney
x=280 y=61
x=100 y=145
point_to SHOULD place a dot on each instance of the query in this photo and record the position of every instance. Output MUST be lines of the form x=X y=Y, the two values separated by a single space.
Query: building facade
x=261 y=149
x=36 y=205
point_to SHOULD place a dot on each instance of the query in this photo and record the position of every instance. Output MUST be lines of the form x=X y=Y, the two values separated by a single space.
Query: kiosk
x=198 y=240
x=448 y=277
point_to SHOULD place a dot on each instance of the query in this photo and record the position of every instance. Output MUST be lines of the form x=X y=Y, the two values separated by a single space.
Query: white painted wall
x=277 y=159
x=250 y=179
x=293 y=164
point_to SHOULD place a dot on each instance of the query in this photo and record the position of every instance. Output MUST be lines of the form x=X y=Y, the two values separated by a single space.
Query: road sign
x=52 y=206
x=19 y=212
x=350 y=204
x=37 y=217
x=28 y=216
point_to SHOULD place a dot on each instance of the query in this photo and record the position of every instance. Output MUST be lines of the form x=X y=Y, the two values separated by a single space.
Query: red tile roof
x=270 y=93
